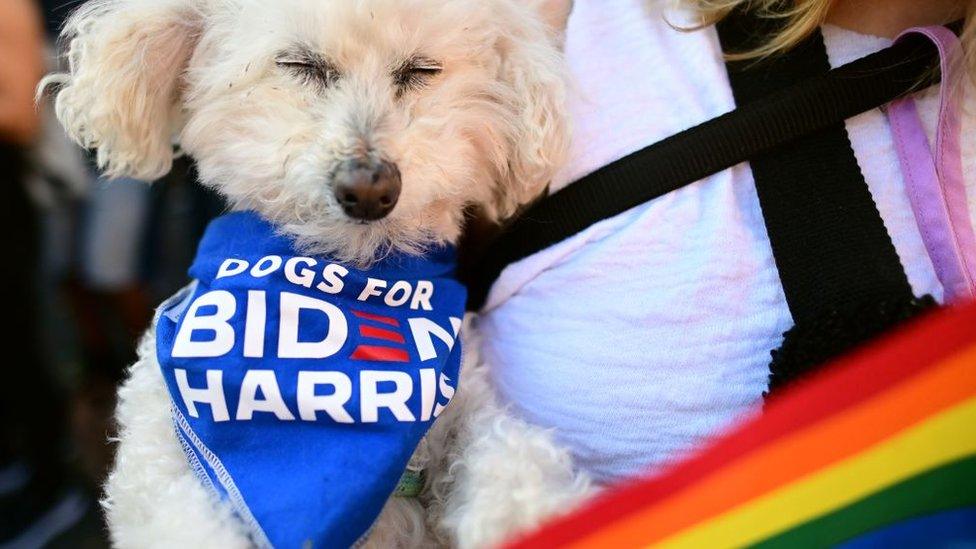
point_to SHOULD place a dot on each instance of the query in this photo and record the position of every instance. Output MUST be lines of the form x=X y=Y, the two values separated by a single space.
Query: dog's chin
x=361 y=243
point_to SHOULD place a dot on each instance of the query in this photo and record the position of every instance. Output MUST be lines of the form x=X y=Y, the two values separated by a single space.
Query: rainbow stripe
x=879 y=448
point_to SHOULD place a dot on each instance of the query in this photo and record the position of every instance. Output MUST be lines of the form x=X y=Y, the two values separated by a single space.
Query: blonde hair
x=802 y=17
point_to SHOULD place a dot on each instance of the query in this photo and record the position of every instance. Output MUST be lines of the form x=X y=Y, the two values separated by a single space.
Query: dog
x=358 y=129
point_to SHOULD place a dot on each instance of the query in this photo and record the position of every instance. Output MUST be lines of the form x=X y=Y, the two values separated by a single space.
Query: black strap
x=841 y=275
x=831 y=247
x=755 y=128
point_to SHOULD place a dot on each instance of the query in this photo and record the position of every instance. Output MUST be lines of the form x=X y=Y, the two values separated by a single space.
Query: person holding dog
x=646 y=333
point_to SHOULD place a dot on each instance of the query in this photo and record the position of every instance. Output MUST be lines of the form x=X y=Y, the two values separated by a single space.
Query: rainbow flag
x=877 y=451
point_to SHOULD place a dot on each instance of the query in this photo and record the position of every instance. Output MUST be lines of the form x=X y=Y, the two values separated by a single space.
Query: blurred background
x=86 y=261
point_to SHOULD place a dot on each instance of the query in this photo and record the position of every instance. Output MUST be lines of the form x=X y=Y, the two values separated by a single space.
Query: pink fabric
x=935 y=185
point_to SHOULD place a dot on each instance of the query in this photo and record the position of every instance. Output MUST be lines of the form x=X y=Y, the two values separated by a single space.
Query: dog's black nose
x=367 y=189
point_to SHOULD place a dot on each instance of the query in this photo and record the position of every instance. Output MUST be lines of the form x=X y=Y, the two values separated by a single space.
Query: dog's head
x=355 y=125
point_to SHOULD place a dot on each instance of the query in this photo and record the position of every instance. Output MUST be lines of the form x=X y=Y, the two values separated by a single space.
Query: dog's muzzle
x=367 y=189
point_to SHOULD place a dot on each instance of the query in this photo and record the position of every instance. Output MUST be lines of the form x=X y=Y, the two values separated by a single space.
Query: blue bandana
x=300 y=386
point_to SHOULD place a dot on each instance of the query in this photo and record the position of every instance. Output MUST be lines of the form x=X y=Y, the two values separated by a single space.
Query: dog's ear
x=121 y=95
x=533 y=68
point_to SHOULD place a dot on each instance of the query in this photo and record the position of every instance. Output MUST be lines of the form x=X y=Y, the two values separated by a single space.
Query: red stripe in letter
x=380 y=354
x=377 y=318
x=380 y=333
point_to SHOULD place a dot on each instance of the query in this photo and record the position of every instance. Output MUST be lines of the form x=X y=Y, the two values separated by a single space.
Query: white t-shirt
x=639 y=337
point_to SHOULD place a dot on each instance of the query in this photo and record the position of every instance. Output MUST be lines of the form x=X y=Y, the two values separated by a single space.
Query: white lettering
x=288 y=344
x=422 y=330
x=303 y=278
x=332 y=276
x=254 y=324
x=212 y=394
x=266 y=266
x=309 y=403
x=223 y=339
x=231 y=267
x=371 y=400
x=373 y=287
x=448 y=393
x=428 y=392
x=272 y=401
x=391 y=298
x=421 y=298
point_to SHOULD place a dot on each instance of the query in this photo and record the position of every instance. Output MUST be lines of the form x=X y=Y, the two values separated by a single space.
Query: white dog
x=288 y=107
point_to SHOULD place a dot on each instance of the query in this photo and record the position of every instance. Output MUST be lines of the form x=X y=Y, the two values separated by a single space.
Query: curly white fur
x=153 y=499
x=500 y=475
x=488 y=131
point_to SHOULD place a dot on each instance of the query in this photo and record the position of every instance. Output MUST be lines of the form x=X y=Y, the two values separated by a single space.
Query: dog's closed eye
x=415 y=73
x=309 y=66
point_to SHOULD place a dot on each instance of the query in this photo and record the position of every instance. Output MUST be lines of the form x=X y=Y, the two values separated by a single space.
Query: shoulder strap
x=830 y=244
x=838 y=267
x=686 y=157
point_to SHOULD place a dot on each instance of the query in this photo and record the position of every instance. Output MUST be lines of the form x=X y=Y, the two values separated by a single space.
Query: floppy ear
x=121 y=95
x=533 y=67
